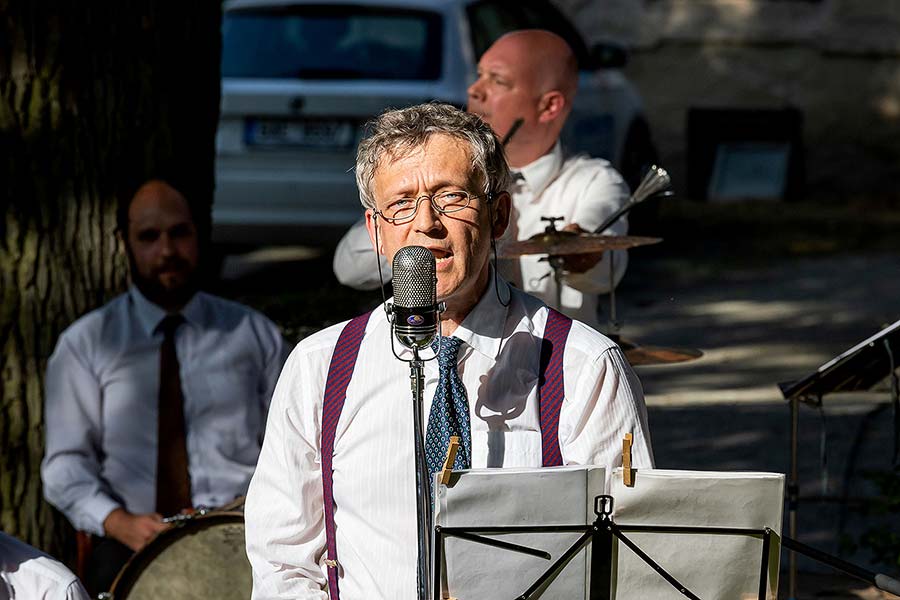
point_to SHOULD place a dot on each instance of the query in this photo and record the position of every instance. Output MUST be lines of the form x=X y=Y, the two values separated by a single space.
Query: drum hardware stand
x=557 y=264
x=181 y=518
x=656 y=183
x=600 y=535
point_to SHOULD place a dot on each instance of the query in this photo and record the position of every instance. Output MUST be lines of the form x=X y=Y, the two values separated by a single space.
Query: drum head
x=204 y=558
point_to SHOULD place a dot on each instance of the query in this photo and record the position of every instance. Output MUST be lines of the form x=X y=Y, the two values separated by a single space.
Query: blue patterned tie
x=449 y=412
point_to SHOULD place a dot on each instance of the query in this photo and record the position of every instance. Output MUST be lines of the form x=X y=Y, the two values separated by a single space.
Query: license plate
x=326 y=134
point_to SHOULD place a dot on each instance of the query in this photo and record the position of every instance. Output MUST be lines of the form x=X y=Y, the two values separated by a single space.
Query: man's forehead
x=436 y=142
x=497 y=62
x=155 y=202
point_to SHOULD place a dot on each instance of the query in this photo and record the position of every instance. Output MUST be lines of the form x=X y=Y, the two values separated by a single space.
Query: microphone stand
x=423 y=480
x=423 y=497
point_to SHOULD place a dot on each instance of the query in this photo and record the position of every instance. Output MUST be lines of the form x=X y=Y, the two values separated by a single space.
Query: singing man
x=331 y=509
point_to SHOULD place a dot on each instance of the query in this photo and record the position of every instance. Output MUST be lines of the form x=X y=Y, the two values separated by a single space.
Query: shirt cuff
x=93 y=511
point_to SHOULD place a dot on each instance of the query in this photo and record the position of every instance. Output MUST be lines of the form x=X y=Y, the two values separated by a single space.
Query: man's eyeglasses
x=403 y=210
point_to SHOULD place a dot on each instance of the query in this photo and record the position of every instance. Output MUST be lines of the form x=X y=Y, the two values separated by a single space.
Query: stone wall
x=838 y=61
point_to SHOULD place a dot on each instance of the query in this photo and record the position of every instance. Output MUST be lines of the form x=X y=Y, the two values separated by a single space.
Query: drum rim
x=125 y=578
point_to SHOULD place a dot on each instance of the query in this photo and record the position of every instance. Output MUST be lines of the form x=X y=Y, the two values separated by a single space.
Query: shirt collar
x=150 y=315
x=483 y=327
x=539 y=173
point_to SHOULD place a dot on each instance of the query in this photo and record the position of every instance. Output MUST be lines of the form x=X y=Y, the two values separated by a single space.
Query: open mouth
x=440 y=255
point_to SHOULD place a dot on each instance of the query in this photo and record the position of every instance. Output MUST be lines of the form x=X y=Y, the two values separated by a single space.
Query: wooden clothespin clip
x=448 y=461
x=628 y=475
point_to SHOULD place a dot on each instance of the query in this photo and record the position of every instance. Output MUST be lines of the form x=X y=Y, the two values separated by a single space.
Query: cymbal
x=638 y=355
x=557 y=243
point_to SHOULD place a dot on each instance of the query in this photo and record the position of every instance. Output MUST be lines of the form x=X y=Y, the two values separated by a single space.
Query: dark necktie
x=449 y=413
x=173 y=482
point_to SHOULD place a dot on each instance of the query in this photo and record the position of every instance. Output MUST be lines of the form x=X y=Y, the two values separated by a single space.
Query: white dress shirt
x=374 y=479
x=26 y=573
x=582 y=190
x=101 y=402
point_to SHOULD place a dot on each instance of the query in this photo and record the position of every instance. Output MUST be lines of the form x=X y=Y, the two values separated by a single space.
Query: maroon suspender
x=552 y=390
x=550 y=397
x=343 y=362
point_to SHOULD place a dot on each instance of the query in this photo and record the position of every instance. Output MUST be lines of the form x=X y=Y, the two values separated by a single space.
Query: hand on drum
x=135 y=531
x=579 y=263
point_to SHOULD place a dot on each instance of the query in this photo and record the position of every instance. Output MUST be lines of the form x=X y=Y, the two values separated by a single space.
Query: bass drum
x=203 y=557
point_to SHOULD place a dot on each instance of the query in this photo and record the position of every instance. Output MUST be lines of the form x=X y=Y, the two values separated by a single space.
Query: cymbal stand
x=613 y=322
x=556 y=262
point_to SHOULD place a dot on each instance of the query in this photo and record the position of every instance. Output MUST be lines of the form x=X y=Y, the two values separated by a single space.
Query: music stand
x=599 y=535
x=856 y=369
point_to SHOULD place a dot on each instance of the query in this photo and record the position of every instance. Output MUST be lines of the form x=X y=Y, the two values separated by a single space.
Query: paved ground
x=758 y=326
x=773 y=317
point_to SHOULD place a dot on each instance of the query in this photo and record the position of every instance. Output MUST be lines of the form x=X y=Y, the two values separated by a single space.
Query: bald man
x=156 y=402
x=532 y=75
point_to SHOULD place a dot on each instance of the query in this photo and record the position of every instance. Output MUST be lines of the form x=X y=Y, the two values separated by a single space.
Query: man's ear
x=501 y=210
x=371 y=225
x=551 y=106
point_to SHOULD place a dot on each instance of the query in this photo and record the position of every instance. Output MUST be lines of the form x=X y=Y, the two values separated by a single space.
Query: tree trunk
x=94 y=97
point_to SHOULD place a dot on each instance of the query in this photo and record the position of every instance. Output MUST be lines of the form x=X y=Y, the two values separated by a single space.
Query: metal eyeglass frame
x=430 y=197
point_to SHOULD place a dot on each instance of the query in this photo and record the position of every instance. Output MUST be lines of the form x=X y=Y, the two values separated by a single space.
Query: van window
x=331 y=42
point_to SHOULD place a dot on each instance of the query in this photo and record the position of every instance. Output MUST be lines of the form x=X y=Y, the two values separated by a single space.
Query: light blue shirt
x=101 y=403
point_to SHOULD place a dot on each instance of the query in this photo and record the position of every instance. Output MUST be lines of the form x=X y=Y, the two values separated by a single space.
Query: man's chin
x=168 y=293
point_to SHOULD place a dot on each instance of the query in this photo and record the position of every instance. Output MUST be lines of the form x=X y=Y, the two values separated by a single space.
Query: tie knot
x=169 y=324
x=449 y=350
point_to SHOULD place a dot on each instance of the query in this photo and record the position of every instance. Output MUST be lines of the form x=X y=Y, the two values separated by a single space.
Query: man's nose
x=427 y=217
x=166 y=245
x=476 y=90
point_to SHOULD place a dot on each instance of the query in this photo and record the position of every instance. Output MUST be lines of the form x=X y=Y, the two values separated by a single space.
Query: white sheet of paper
x=505 y=497
x=711 y=566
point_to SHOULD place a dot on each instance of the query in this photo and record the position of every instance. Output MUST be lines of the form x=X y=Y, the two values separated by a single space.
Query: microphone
x=415 y=309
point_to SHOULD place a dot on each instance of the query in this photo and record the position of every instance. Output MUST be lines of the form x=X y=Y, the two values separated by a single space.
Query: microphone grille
x=414 y=277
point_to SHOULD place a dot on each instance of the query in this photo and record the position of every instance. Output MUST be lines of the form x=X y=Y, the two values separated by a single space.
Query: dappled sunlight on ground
x=757 y=327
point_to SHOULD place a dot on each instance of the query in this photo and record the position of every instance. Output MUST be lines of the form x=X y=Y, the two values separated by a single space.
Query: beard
x=170 y=296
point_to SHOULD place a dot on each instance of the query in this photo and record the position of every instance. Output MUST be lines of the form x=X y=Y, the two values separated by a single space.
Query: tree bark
x=95 y=97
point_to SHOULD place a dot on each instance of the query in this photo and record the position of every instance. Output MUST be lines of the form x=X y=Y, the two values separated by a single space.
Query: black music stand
x=599 y=535
x=856 y=369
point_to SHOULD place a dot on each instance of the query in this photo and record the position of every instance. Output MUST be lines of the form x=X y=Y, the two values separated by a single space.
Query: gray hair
x=397 y=132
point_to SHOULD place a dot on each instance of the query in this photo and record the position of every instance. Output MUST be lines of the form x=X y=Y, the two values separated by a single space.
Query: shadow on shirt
x=504 y=392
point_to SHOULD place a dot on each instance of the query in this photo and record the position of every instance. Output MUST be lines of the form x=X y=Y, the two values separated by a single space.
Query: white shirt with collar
x=374 y=482
x=26 y=573
x=101 y=399
x=581 y=190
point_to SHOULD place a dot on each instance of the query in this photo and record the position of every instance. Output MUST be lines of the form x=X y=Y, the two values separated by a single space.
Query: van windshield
x=331 y=42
